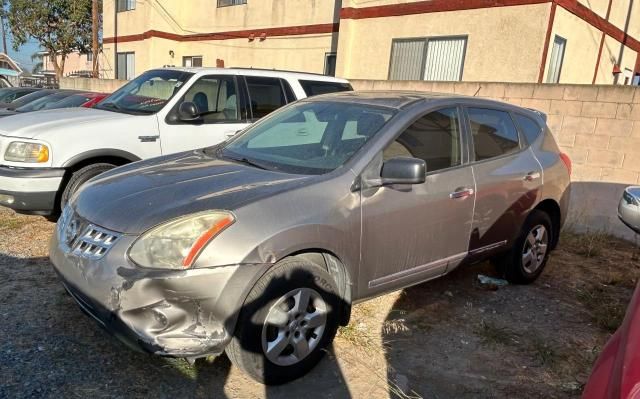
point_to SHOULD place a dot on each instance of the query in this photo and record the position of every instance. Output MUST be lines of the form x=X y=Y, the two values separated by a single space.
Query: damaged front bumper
x=185 y=313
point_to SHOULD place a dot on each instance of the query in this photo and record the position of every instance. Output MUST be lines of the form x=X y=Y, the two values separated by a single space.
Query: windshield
x=76 y=100
x=5 y=94
x=29 y=98
x=308 y=138
x=147 y=94
x=42 y=102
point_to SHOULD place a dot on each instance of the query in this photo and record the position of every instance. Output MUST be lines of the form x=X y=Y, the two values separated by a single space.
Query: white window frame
x=127 y=5
x=553 y=56
x=230 y=3
x=426 y=40
x=327 y=70
x=128 y=74
x=191 y=58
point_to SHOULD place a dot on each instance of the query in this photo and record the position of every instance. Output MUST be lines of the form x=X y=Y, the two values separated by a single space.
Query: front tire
x=80 y=177
x=526 y=260
x=288 y=320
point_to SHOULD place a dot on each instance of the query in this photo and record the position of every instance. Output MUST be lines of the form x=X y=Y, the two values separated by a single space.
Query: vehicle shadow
x=51 y=349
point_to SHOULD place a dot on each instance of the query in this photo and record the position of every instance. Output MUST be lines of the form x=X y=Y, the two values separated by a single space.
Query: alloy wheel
x=535 y=249
x=294 y=326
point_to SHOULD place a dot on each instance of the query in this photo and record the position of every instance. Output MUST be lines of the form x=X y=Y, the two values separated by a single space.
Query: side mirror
x=188 y=112
x=403 y=170
x=629 y=208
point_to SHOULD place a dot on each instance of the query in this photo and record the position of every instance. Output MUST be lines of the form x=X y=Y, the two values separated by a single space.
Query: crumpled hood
x=33 y=124
x=133 y=198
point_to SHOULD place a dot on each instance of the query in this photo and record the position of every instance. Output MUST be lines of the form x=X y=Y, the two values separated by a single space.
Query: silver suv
x=259 y=246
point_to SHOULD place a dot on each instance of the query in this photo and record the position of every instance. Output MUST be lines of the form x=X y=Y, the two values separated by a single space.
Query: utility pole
x=94 y=44
x=4 y=35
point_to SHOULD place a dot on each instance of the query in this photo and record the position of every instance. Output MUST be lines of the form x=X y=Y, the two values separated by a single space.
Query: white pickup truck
x=45 y=156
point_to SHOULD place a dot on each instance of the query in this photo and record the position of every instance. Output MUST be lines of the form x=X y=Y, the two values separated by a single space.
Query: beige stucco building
x=79 y=64
x=552 y=41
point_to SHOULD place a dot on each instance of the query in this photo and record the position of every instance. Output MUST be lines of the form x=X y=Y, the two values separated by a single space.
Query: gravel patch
x=446 y=338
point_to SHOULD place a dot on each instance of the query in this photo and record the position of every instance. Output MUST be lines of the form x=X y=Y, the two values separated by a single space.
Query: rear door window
x=315 y=88
x=529 y=128
x=265 y=95
x=494 y=133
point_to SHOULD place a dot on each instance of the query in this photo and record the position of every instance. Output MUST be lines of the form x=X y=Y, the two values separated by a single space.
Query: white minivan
x=46 y=156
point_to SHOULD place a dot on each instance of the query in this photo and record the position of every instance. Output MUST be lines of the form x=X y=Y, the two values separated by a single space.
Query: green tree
x=59 y=26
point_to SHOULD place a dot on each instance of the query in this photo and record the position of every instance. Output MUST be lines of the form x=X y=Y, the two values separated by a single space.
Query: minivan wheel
x=530 y=252
x=288 y=320
x=81 y=176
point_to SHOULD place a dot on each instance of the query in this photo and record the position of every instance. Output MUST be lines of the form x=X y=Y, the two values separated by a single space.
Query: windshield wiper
x=247 y=161
x=111 y=105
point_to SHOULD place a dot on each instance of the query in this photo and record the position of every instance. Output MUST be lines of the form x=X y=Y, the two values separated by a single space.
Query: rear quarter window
x=529 y=128
x=315 y=88
x=494 y=133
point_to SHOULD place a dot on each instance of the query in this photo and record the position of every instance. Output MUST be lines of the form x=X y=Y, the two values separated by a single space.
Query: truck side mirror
x=188 y=112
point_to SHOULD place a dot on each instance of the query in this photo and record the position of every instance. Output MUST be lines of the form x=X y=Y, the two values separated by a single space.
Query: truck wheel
x=288 y=320
x=81 y=176
x=530 y=252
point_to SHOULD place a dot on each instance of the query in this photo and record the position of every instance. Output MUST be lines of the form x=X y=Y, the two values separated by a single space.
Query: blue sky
x=23 y=55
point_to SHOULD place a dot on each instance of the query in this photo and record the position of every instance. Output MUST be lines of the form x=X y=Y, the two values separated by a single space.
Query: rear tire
x=280 y=336
x=526 y=260
x=80 y=177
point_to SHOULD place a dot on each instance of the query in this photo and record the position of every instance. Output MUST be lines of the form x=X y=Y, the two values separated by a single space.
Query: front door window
x=434 y=138
x=216 y=98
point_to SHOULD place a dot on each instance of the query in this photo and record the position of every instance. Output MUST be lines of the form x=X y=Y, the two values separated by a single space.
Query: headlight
x=19 y=151
x=177 y=244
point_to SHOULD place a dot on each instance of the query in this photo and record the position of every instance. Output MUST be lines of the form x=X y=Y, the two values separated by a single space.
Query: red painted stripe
x=239 y=34
x=597 y=21
x=547 y=40
x=595 y=73
x=423 y=7
x=419 y=7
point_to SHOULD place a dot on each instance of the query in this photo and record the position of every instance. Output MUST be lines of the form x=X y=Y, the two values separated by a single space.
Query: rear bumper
x=31 y=191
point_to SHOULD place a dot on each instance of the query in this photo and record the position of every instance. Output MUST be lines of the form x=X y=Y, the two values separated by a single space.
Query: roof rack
x=279 y=70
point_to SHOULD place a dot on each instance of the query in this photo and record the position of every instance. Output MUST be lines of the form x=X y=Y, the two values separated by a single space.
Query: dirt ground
x=448 y=338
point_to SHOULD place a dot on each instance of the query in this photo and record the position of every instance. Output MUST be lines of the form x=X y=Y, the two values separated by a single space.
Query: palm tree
x=37 y=58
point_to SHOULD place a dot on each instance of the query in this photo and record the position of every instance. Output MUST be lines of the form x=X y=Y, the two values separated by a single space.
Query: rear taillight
x=567 y=161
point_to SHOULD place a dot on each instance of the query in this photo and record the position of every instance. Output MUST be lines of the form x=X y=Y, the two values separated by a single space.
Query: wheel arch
x=109 y=155
x=337 y=269
x=72 y=165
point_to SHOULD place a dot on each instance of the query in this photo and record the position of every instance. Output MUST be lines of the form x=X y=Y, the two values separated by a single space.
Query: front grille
x=82 y=238
x=94 y=242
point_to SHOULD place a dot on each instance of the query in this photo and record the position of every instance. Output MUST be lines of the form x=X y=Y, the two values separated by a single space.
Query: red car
x=616 y=373
x=86 y=100
x=92 y=98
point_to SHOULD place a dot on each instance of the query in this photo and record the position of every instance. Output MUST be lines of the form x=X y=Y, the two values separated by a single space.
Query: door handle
x=148 y=139
x=531 y=176
x=462 y=193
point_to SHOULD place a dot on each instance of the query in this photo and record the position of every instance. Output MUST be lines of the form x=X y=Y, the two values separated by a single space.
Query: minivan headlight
x=177 y=244
x=19 y=151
